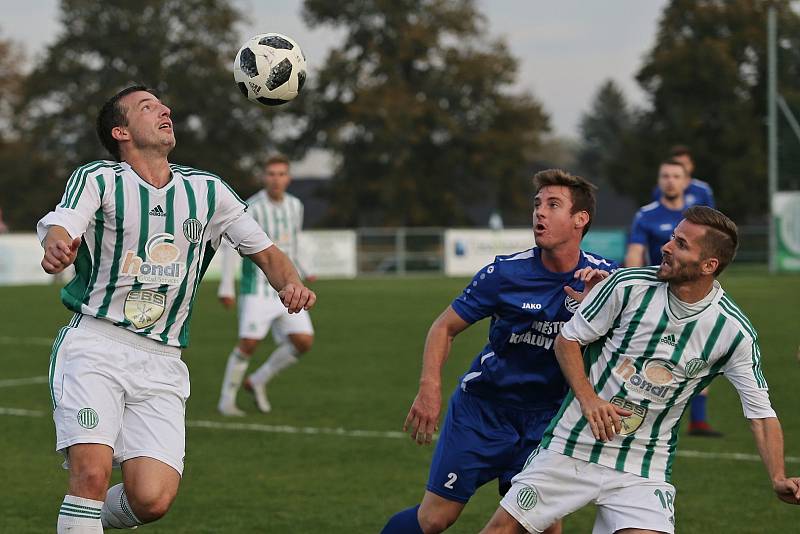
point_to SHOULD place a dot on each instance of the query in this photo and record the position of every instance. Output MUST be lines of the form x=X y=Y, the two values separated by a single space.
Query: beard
x=677 y=272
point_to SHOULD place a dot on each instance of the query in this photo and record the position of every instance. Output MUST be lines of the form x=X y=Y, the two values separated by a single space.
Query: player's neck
x=155 y=171
x=692 y=291
x=676 y=203
x=561 y=259
x=276 y=196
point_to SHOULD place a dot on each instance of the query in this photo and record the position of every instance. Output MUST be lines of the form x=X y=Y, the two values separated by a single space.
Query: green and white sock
x=281 y=358
x=117 y=511
x=79 y=516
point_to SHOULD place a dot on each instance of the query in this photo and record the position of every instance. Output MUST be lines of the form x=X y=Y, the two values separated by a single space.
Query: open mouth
x=539 y=227
x=165 y=126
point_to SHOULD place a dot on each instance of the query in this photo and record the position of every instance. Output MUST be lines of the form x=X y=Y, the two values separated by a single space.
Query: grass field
x=273 y=476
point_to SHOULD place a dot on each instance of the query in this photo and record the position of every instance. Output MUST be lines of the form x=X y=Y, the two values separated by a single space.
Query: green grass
x=362 y=374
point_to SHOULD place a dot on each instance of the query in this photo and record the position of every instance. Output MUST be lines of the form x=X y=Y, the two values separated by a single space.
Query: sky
x=566 y=48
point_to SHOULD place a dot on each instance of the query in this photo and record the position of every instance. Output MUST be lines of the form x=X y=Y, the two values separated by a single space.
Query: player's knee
x=90 y=481
x=248 y=346
x=302 y=342
x=150 y=506
x=435 y=521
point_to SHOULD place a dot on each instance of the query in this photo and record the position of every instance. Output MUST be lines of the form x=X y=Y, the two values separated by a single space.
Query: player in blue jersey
x=653 y=226
x=504 y=402
x=698 y=193
x=653 y=223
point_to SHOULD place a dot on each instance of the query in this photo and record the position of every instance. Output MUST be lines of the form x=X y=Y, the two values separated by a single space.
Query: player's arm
x=284 y=278
x=634 y=256
x=227 y=286
x=602 y=416
x=423 y=418
x=60 y=250
x=769 y=440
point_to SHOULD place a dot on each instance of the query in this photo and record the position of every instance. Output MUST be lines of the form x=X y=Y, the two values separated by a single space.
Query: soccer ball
x=270 y=69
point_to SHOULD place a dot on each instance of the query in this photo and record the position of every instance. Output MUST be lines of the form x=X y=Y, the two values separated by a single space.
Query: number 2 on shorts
x=451 y=479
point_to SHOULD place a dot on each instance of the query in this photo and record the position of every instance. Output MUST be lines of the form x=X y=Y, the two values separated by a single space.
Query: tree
x=417 y=107
x=706 y=82
x=181 y=48
x=602 y=130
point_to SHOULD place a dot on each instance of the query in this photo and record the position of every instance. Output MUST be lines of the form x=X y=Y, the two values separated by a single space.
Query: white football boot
x=259 y=391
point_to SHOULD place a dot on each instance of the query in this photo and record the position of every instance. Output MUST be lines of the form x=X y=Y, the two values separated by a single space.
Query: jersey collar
x=127 y=168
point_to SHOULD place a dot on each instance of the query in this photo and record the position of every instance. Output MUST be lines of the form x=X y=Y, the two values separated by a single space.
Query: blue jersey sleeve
x=638 y=230
x=479 y=298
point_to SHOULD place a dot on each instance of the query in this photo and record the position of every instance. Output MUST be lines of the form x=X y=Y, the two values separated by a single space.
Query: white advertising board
x=467 y=250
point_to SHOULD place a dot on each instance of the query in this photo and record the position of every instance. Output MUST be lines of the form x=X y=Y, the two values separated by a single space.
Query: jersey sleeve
x=597 y=312
x=743 y=370
x=232 y=221
x=480 y=298
x=638 y=230
x=80 y=201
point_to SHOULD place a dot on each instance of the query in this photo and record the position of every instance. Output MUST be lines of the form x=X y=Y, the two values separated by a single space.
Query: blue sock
x=404 y=522
x=698 y=414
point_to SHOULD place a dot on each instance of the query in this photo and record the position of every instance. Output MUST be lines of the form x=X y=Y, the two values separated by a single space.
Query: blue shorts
x=480 y=441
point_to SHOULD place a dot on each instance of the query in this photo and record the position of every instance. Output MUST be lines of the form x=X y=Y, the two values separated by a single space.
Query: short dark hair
x=721 y=238
x=581 y=190
x=670 y=161
x=276 y=158
x=680 y=150
x=112 y=114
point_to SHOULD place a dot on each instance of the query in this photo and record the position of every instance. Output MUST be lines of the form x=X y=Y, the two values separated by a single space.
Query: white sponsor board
x=466 y=250
x=323 y=253
x=20 y=261
x=786 y=211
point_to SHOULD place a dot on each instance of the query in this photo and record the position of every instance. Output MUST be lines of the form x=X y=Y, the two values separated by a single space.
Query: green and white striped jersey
x=642 y=357
x=283 y=222
x=144 y=250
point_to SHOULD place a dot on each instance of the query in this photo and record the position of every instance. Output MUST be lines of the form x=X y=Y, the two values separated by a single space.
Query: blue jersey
x=528 y=306
x=698 y=193
x=652 y=227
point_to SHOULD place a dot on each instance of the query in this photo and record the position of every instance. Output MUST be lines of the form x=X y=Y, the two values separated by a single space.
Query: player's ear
x=709 y=266
x=120 y=133
x=581 y=218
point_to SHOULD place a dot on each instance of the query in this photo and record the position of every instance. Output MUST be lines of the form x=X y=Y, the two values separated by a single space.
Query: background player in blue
x=699 y=193
x=653 y=223
x=505 y=401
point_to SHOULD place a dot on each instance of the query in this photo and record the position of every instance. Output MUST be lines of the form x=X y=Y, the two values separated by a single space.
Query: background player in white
x=140 y=232
x=656 y=336
x=280 y=214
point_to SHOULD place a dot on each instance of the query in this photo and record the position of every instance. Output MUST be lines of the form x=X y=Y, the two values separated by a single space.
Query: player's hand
x=423 y=417
x=605 y=419
x=297 y=297
x=227 y=302
x=58 y=255
x=787 y=489
x=590 y=277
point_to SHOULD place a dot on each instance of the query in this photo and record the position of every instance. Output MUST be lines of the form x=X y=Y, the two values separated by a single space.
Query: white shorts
x=114 y=387
x=553 y=485
x=257 y=313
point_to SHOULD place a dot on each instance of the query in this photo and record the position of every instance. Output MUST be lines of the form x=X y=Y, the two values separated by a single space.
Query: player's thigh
x=256 y=313
x=437 y=513
x=89 y=469
x=550 y=487
x=287 y=325
x=150 y=483
x=86 y=391
x=631 y=502
x=474 y=447
x=154 y=418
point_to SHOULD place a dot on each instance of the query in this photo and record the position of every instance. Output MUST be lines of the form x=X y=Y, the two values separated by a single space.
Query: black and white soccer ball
x=270 y=69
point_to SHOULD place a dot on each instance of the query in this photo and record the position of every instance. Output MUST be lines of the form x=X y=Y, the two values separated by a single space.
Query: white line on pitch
x=22 y=381
x=286 y=429
x=7 y=340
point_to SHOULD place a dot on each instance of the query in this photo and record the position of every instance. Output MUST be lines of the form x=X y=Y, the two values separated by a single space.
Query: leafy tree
x=181 y=48
x=416 y=105
x=706 y=81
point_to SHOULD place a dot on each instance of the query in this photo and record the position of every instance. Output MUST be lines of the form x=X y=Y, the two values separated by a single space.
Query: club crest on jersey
x=695 y=366
x=192 y=230
x=144 y=307
x=571 y=304
x=630 y=423
x=161 y=266
x=652 y=382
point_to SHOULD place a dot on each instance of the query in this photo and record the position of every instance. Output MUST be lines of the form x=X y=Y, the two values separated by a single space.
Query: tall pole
x=772 y=134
